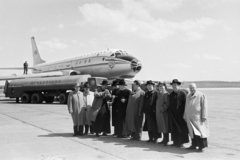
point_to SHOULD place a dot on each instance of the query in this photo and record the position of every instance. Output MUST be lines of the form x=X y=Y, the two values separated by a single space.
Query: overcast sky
x=183 y=39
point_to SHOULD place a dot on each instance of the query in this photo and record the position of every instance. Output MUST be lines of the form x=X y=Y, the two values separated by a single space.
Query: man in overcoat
x=179 y=130
x=88 y=98
x=149 y=109
x=162 y=112
x=76 y=109
x=122 y=101
x=115 y=91
x=100 y=113
x=196 y=118
x=134 y=117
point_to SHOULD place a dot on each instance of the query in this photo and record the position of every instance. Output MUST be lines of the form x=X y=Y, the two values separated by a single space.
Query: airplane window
x=103 y=59
x=112 y=54
x=85 y=61
x=118 y=54
x=89 y=60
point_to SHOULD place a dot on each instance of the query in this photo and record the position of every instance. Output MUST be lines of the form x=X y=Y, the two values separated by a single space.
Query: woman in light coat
x=162 y=112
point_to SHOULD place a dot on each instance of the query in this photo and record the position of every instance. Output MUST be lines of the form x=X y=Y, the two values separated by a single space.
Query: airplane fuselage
x=108 y=63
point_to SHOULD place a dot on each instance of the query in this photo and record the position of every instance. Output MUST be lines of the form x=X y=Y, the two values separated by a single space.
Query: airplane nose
x=136 y=65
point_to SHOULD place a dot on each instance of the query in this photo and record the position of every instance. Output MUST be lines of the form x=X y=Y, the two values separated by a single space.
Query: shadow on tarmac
x=127 y=143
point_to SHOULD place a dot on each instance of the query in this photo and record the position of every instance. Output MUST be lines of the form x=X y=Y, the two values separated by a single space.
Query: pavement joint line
x=218 y=145
x=43 y=110
x=61 y=136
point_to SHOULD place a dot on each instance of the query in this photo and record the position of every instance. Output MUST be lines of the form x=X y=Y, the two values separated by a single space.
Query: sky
x=185 y=39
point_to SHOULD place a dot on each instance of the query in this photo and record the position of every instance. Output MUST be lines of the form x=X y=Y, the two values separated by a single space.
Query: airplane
x=110 y=63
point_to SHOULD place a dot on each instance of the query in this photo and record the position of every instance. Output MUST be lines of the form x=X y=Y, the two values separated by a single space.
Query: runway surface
x=43 y=131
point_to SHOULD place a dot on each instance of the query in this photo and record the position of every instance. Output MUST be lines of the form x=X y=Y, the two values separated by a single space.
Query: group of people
x=153 y=109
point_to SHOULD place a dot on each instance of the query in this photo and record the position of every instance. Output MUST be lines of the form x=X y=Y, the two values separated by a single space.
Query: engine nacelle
x=70 y=72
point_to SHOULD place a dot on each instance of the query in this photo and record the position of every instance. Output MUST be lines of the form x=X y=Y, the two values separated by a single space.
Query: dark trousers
x=153 y=135
x=80 y=130
x=165 y=137
x=136 y=135
x=197 y=141
x=87 y=129
x=25 y=70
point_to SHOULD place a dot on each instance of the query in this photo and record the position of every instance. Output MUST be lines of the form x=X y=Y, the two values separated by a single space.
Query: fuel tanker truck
x=37 y=90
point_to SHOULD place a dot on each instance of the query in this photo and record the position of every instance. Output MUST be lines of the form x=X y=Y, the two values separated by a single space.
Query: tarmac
x=44 y=132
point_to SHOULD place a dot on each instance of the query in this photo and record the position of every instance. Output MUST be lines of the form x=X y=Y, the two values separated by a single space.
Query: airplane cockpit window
x=118 y=54
x=112 y=55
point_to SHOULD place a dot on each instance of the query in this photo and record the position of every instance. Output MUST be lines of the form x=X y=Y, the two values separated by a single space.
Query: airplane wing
x=14 y=68
x=39 y=75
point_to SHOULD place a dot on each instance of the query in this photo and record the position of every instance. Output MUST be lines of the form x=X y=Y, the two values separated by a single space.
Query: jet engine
x=70 y=72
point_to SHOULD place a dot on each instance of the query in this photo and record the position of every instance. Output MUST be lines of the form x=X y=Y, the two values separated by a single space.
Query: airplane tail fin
x=36 y=56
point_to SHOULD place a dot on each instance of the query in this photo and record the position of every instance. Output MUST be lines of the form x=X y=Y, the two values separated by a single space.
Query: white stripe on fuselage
x=78 y=63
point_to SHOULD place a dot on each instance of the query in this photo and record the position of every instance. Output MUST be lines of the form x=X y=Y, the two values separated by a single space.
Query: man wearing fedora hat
x=162 y=112
x=88 y=97
x=149 y=108
x=100 y=113
x=121 y=101
x=75 y=108
x=115 y=91
x=177 y=100
x=134 y=118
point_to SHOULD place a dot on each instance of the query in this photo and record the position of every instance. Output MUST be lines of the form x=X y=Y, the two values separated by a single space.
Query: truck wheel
x=37 y=98
x=26 y=98
x=49 y=99
x=63 y=98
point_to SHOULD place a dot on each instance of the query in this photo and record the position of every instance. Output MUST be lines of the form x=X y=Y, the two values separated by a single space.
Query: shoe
x=173 y=145
x=191 y=148
x=165 y=144
x=162 y=142
x=200 y=150
x=97 y=135
x=114 y=134
x=104 y=134
x=179 y=146
x=150 y=140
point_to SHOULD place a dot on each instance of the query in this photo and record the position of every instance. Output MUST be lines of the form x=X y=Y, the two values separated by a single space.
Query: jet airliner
x=110 y=63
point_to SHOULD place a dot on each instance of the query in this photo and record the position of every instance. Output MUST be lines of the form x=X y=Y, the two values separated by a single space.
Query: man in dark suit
x=178 y=126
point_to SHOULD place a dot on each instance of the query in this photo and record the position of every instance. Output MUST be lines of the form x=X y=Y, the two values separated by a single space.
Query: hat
x=115 y=82
x=122 y=82
x=161 y=82
x=86 y=85
x=175 y=81
x=77 y=85
x=104 y=82
x=137 y=82
x=150 y=82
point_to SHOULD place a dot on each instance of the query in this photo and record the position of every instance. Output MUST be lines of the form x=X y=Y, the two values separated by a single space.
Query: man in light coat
x=75 y=108
x=88 y=98
x=196 y=118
